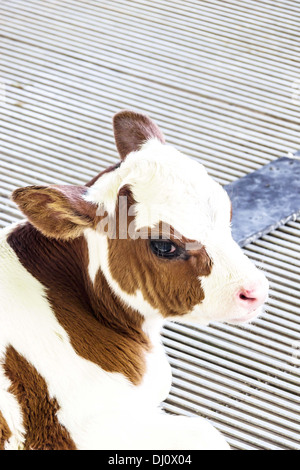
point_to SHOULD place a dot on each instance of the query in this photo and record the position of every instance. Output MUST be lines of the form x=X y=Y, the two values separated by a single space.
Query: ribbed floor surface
x=222 y=80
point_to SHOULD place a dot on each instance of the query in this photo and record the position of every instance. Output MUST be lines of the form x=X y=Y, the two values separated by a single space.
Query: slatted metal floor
x=222 y=78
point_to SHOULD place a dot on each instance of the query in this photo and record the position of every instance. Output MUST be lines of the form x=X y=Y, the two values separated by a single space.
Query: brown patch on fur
x=43 y=430
x=5 y=432
x=132 y=130
x=57 y=211
x=171 y=286
x=100 y=327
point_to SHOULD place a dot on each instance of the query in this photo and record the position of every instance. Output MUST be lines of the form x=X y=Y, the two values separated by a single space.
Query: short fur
x=43 y=430
x=5 y=432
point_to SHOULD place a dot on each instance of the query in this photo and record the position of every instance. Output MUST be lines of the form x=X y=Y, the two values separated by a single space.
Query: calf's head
x=158 y=227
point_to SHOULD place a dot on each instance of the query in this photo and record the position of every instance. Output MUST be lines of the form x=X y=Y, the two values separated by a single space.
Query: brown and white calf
x=86 y=283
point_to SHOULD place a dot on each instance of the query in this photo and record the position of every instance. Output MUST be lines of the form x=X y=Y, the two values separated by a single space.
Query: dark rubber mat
x=265 y=199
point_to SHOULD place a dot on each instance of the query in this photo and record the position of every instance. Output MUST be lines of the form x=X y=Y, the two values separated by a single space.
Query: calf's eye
x=164 y=248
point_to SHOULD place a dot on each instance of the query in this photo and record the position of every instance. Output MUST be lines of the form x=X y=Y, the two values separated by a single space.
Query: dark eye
x=164 y=248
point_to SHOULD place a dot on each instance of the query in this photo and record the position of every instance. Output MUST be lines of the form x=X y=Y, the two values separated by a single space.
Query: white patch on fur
x=98 y=259
x=231 y=271
x=167 y=186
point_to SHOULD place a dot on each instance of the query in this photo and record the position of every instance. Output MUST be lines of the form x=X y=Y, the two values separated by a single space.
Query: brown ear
x=56 y=211
x=132 y=130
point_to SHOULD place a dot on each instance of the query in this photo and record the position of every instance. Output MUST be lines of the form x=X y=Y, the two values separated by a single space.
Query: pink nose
x=252 y=297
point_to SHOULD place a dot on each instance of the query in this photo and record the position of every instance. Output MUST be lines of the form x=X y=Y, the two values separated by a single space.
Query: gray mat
x=265 y=199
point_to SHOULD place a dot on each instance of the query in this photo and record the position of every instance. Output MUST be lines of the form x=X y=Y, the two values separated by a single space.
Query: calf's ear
x=58 y=212
x=132 y=130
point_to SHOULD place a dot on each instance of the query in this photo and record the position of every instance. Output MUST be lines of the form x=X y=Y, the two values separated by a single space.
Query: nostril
x=247 y=297
x=252 y=295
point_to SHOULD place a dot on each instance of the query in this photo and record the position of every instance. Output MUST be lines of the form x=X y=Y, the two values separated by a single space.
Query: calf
x=87 y=281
